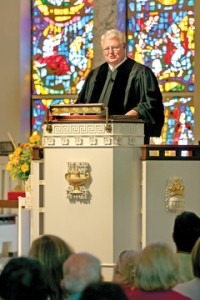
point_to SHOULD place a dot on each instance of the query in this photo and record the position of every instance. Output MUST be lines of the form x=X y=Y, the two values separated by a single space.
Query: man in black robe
x=125 y=86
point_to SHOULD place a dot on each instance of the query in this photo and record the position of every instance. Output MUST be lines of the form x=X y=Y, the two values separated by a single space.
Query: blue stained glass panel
x=62 y=42
x=62 y=52
x=179 y=121
x=161 y=35
x=39 y=109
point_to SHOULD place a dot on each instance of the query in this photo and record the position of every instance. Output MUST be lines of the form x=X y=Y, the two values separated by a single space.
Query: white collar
x=113 y=68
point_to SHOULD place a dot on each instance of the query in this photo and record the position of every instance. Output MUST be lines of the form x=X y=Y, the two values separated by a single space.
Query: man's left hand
x=132 y=112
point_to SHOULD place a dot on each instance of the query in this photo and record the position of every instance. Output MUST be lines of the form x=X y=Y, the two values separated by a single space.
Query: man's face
x=113 y=51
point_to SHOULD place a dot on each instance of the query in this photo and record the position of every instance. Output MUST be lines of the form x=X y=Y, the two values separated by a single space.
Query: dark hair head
x=51 y=251
x=186 y=231
x=23 y=278
x=103 y=291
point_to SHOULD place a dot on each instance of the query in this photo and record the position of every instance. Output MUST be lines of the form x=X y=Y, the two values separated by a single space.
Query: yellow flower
x=34 y=138
x=16 y=160
x=9 y=166
x=20 y=160
x=24 y=168
x=11 y=156
x=17 y=151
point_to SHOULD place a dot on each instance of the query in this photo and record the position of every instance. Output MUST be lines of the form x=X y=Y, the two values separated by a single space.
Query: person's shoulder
x=169 y=294
x=134 y=62
x=140 y=67
x=74 y=296
x=178 y=296
x=100 y=68
x=189 y=288
x=130 y=65
x=183 y=286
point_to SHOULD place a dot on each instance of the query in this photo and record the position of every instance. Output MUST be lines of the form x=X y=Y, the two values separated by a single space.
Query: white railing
x=5 y=180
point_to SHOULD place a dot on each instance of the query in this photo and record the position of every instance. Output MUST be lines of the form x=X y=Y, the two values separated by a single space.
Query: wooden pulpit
x=92 y=174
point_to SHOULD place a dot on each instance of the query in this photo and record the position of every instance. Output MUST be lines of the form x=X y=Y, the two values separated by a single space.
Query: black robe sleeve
x=83 y=96
x=149 y=105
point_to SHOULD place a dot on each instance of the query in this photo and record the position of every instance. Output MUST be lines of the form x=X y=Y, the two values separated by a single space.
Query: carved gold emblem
x=77 y=176
x=174 y=193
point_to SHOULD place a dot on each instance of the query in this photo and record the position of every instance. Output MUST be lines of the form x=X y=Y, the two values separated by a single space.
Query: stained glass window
x=39 y=109
x=62 y=50
x=160 y=34
x=179 y=121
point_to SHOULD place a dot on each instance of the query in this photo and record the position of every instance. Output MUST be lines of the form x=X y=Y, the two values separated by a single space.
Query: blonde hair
x=196 y=258
x=113 y=33
x=157 y=268
x=124 y=271
x=51 y=251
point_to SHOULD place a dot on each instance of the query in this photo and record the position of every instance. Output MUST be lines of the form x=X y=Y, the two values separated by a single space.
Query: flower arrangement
x=20 y=160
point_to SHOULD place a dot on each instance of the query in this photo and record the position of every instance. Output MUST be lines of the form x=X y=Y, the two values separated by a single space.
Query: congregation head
x=124 y=270
x=186 y=231
x=196 y=258
x=23 y=278
x=103 y=291
x=79 y=270
x=156 y=268
x=50 y=248
x=51 y=251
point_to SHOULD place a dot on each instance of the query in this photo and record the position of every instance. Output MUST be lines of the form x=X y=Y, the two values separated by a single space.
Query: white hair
x=114 y=33
x=79 y=270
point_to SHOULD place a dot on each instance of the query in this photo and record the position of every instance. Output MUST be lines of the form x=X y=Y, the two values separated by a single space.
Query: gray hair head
x=114 y=33
x=79 y=270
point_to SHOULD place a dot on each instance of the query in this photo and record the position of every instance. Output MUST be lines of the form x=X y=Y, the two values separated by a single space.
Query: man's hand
x=132 y=112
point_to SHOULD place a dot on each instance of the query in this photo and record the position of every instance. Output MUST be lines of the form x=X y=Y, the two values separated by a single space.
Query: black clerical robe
x=132 y=88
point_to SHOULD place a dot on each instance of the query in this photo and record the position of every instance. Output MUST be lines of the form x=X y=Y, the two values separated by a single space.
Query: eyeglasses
x=112 y=48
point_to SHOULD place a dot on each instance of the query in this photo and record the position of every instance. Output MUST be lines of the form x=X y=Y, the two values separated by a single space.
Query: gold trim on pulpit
x=63 y=110
x=57 y=110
